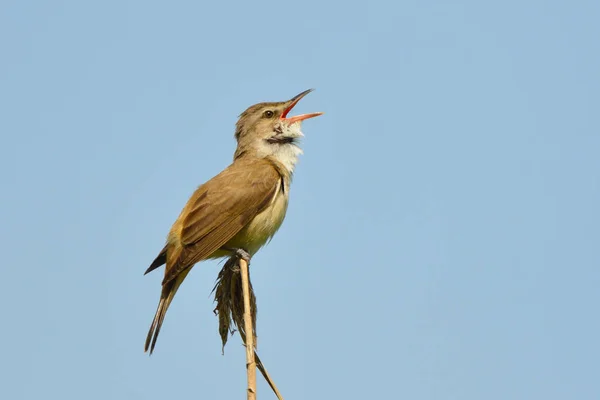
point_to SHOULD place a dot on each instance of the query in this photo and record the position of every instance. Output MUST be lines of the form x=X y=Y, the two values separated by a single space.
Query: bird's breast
x=262 y=228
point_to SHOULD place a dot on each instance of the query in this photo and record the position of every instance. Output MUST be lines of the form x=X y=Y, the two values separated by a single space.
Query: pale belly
x=262 y=228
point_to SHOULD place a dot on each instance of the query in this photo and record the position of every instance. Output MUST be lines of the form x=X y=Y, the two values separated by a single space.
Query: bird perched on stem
x=241 y=208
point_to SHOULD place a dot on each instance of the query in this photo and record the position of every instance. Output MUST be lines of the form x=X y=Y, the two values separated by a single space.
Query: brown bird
x=240 y=209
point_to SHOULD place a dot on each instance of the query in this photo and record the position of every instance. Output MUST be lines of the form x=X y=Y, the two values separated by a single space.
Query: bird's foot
x=240 y=253
x=243 y=255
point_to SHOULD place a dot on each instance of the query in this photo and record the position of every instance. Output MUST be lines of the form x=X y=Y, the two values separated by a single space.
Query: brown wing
x=220 y=208
x=160 y=259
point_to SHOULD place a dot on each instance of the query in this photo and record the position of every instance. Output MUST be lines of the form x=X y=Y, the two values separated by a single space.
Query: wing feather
x=220 y=208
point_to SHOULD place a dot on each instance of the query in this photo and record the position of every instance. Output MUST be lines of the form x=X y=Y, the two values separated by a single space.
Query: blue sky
x=442 y=236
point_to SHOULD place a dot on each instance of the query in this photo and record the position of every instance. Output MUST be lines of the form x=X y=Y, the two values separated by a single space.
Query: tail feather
x=166 y=297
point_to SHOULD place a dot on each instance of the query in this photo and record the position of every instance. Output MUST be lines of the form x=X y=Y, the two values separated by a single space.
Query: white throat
x=287 y=154
x=283 y=145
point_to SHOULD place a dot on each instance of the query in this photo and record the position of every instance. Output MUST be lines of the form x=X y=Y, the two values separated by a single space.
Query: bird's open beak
x=300 y=117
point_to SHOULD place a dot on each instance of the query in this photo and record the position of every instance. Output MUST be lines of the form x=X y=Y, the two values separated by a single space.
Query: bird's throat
x=281 y=140
x=287 y=155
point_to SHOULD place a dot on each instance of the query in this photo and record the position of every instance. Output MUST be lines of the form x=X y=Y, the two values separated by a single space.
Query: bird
x=240 y=209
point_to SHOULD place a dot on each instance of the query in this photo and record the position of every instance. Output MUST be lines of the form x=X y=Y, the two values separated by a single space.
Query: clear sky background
x=443 y=235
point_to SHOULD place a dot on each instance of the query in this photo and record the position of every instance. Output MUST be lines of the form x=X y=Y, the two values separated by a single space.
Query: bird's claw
x=243 y=254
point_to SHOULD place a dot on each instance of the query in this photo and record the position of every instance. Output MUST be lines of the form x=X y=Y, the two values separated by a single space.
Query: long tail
x=166 y=296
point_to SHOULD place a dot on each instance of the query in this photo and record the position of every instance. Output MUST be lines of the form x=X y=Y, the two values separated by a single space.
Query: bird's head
x=266 y=129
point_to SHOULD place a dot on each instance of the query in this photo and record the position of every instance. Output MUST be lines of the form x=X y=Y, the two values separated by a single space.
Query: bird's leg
x=243 y=254
x=239 y=253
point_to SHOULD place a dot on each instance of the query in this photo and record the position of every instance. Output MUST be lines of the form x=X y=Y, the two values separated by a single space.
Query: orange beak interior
x=300 y=117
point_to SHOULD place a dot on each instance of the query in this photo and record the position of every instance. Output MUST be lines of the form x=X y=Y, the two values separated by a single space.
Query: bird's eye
x=268 y=114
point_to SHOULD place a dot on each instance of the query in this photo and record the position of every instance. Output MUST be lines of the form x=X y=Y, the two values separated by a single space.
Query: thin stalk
x=250 y=360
